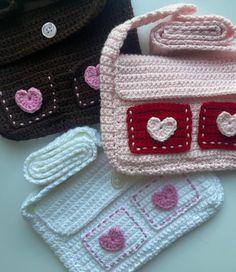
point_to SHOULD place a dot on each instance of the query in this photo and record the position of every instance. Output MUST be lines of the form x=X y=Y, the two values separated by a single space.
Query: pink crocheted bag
x=173 y=113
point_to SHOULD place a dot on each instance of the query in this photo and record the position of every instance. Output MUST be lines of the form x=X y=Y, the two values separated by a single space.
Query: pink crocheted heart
x=29 y=101
x=166 y=199
x=113 y=240
x=91 y=76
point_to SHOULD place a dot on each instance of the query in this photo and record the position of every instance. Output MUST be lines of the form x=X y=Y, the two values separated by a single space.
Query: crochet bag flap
x=49 y=72
x=171 y=113
x=95 y=223
x=23 y=34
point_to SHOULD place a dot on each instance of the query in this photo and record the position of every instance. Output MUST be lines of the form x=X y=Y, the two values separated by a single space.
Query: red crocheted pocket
x=159 y=128
x=217 y=126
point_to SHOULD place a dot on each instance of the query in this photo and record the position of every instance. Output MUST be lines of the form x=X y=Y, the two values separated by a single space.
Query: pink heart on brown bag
x=113 y=240
x=29 y=101
x=166 y=199
x=91 y=76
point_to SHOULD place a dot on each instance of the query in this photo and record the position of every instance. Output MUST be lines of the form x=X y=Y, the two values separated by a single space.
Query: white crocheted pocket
x=114 y=238
x=162 y=202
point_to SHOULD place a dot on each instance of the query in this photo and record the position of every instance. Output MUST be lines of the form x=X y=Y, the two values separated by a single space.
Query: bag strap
x=117 y=36
x=115 y=41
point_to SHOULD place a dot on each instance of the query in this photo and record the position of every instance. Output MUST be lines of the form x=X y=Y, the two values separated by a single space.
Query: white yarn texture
x=71 y=216
x=63 y=157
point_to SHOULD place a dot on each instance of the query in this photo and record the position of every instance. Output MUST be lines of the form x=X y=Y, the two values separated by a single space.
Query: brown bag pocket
x=18 y=117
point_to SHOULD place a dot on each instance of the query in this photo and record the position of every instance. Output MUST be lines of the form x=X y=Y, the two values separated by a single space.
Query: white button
x=117 y=181
x=49 y=30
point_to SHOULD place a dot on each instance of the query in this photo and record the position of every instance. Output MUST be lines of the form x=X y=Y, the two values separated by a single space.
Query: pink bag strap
x=117 y=36
x=115 y=40
x=190 y=32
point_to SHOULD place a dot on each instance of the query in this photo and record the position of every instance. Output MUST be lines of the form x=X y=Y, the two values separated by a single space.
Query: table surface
x=209 y=248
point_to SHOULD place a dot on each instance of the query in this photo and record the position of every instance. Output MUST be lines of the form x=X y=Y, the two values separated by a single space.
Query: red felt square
x=140 y=141
x=209 y=136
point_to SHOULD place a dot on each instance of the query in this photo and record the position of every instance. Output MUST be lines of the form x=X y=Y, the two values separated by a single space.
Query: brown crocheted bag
x=44 y=53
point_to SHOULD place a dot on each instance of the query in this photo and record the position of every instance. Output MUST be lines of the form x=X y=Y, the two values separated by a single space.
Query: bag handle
x=117 y=36
x=115 y=41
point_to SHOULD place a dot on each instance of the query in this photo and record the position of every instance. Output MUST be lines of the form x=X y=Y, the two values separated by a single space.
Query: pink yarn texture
x=29 y=101
x=193 y=79
x=189 y=32
x=91 y=76
x=113 y=240
x=166 y=199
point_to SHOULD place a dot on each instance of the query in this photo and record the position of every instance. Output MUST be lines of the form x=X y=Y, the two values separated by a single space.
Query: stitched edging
x=163 y=147
x=124 y=254
x=43 y=115
x=175 y=213
x=76 y=87
x=202 y=120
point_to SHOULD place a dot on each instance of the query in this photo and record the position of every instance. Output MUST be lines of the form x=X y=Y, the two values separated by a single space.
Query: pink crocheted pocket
x=217 y=126
x=182 y=197
x=159 y=128
x=17 y=111
x=114 y=238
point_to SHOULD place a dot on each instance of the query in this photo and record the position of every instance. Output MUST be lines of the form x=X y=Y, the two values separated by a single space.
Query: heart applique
x=91 y=76
x=161 y=130
x=113 y=240
x=226 y=124
x=29 y=101
x=166 y=199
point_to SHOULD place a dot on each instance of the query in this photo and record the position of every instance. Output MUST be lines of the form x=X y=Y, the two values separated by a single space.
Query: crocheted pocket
x=86 y=82
x=162 y=202
x=217 y=126
x=159 y=128
x=35 y=100
x=114 y=238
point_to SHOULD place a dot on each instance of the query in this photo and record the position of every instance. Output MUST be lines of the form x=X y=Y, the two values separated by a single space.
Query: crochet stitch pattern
x=78 y=217
x=29 y=101
x=188 y=32
x=213 y=133
x=61 y=159
x=91 y=76
x=114 y=240
x=161 y=130
x=130 y=81
x=226 y=123
x=56 y=66
x=166 y=199
x=50 y=105
x=138 y=125
x=150 y=211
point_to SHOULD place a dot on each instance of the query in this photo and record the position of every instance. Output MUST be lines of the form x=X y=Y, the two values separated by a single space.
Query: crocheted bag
x=49 y=77
x=174 y=113
x=99 y=221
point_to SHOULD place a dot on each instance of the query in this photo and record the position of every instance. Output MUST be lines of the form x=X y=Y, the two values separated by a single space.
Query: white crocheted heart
x=226 y=124
x=161 y=130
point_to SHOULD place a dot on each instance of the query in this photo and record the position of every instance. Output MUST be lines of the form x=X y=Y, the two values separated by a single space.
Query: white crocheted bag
x=169 y=114
x=100 y=221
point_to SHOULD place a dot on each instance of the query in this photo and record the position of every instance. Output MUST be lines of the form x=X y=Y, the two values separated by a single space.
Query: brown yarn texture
x=56 y=66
